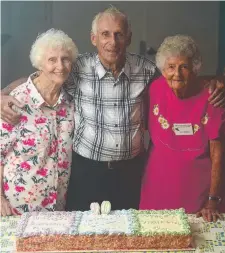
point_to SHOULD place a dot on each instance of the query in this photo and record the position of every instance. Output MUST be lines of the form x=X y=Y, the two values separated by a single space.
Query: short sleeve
x=8 y=134
x=214 y=121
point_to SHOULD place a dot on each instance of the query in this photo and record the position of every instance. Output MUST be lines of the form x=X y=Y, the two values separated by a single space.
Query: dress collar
x=36 y=97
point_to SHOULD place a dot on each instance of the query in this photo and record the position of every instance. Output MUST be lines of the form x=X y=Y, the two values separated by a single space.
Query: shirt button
x=115 y=104
x=116 y=125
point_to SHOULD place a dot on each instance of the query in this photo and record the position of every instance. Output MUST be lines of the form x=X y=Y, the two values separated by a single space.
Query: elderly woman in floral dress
x=185 y=162
x=36 y=153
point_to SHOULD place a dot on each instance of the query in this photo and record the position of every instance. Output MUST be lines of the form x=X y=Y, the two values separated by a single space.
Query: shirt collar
x=101 y=71
x=36 y=97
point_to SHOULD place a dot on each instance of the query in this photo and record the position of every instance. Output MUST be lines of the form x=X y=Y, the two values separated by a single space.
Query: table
x=207 y=237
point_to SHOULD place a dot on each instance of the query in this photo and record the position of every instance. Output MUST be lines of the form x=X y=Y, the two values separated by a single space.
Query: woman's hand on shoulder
x=210 y=212
x=6 y=209
x=216 y=88
x=7 y=112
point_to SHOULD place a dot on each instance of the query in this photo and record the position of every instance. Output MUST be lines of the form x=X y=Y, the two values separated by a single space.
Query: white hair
x=52 y=38
x=111 y=11
x=179 y=45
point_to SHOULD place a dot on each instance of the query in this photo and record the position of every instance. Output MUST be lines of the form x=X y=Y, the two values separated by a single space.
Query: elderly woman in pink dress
x=184 y=168
x=36 y=153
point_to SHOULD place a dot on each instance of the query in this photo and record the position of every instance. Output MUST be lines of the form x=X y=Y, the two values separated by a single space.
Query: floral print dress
x=36 y=153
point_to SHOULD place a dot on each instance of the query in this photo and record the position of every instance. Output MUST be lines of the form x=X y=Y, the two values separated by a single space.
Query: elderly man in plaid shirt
x=108 y=145
x=109 y=90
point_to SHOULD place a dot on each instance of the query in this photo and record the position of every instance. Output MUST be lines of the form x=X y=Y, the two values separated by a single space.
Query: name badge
x=183 y=129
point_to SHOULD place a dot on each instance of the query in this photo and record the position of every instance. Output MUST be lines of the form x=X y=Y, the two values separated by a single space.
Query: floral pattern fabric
x=36 y=153
x=165 y=124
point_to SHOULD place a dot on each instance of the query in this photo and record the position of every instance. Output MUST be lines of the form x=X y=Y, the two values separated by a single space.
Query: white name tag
x=183 y=129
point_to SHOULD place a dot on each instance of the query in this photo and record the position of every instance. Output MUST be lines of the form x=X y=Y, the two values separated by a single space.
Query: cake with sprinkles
x=101 y=229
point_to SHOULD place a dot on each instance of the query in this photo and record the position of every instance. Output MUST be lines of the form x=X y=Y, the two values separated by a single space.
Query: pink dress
x=178 y=171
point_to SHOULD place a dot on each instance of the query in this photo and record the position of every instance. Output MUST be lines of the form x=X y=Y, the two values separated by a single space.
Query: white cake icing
x=114 y=223
x=170 y=223
x=163 y=221
x=58 y=223
x=128 y=222
x=45 y=223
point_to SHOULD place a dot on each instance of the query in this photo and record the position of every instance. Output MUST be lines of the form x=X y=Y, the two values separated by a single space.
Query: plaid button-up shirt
x=109 y=112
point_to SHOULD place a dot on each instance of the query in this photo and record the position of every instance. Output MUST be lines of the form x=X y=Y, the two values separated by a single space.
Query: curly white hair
x=179 y=45
x=52 y=38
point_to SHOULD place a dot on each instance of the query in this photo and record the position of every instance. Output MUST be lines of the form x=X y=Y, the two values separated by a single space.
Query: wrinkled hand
x=210 y=212
x=7 y=113
x=6 y=209
x=217 y=91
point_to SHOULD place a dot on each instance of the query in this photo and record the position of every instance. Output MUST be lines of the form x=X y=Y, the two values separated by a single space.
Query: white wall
x=151 y=22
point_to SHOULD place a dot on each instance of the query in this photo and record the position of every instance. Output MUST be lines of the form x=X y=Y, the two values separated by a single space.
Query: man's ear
x=93 y=39
x=129 y=39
